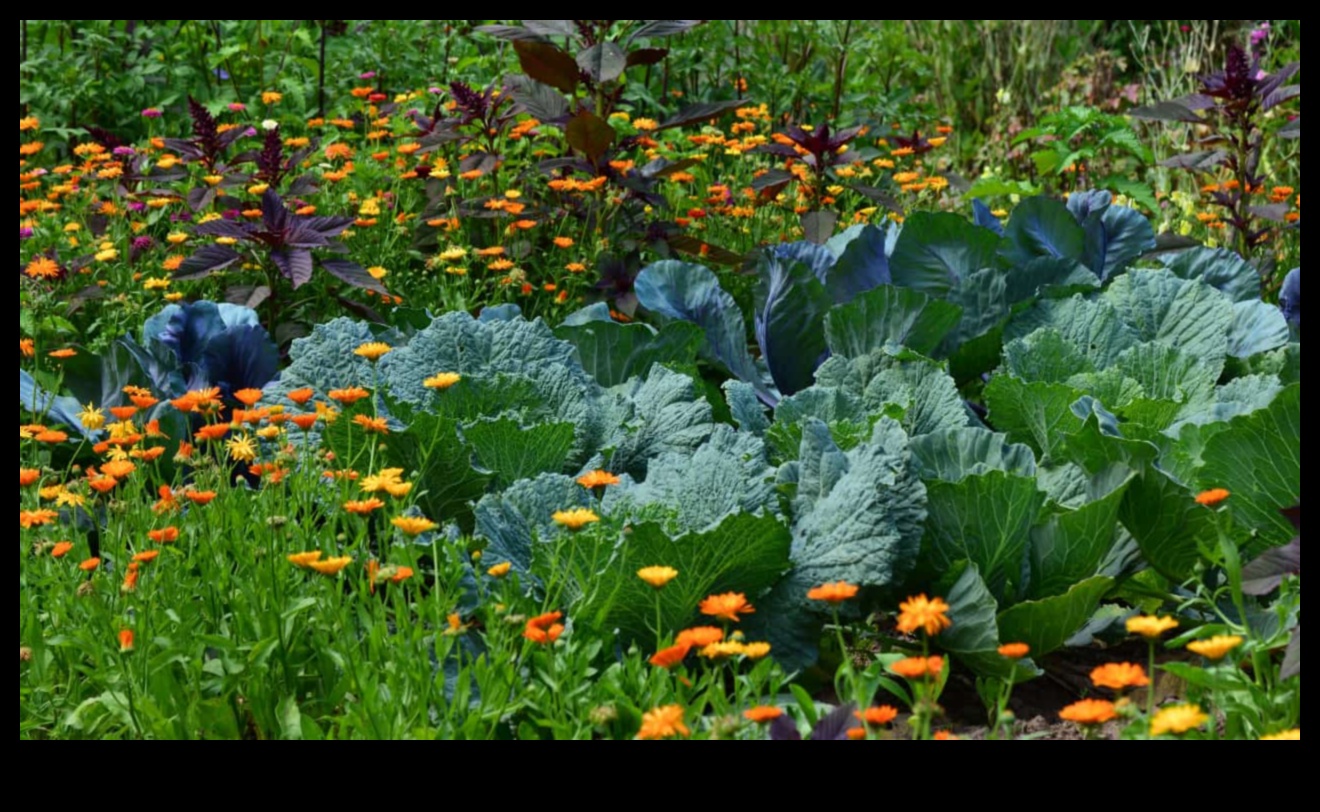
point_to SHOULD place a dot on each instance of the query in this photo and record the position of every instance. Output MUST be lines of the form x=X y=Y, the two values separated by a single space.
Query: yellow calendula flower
x=91 y=418
x=1177 y=719
x=442 y=381
x=657 y=577
x=1150 y=626
x=500 y=570
x=414 y=525
x=1215 y=648
x=1294 y=735
x=575 y=519
x=373 y=351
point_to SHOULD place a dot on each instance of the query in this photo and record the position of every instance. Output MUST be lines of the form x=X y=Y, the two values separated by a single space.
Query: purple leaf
x=295 y=264
x=547 y=64
x=208 y=260
x=1263 y=575
x=589 y=134
x=784 y=729
x=700 y=112
x=835 y=726
x=354 y=274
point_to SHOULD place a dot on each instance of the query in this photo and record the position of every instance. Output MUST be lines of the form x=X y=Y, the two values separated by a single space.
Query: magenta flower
x=151 y=112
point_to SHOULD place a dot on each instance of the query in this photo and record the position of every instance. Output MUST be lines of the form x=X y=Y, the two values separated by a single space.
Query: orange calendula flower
x=330 y=566
x=575 y=519
x=500 y=570
x=90 y=565
x=918 y=667
x=729 y=606
x=304 y=421
x=364 y=507
x=28 y=519
x=51 y=436
x=125 y=641
x=27 y=347
x=657 y=577
x=442 y=381
x=103 y=484
x=1215 y=648
x=373 y=351
x=301 y=396
x=349 y=396
x=1014 y=651
x=700 y=637
x=165 y=535
x=1118 y=676
x=663 y=723
x=1212 y=497
x=878 y=715
x=1089 y=712
x=28 y=476
x=61 y=549
x=304 y=560
x=763 y=714
x=200 y=497
x=923 y=613
x=1177 y=719
x=563 y=242
x=1150 y=626
x=835 y=593
x=248 y=397
x=216 y=431
x=670 y=657
x=945 y=736
x=414 y=525
x=372 y=425
x=42 y=267
x=544 y=629
x=597 y=479
x=146 y=556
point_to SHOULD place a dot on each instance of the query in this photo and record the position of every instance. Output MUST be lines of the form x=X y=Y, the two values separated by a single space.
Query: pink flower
x=151 y=112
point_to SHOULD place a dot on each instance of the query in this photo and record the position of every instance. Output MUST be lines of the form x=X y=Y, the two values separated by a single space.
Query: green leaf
x=1191 y=316
x=860 y=519
x=518 y=520
x=936 y=251
x=612 y=352
x=727 y=474
x=791 y=305
x=1045 y=356
x=512 y=452
x=1220 y=268
x=1259 y=460
x=1071 y=545
x=1038 y=414
x=1166 y=522
x=1046 y=624
x=743 y=553
x=1093 y=326
x=433 y=456
x=1257 y=327
x=889 y=315
x=745 y=407
x=974 y=636
x=662 y=414
x=291 y=724
x=954 y=454
x=984 y=519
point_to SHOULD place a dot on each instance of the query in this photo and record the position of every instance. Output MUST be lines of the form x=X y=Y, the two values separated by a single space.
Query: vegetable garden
x=659 y=379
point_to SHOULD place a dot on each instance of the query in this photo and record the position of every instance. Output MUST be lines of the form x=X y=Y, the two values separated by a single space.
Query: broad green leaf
x=1046 y=624
x=612 y=352
x=663 y=413
x=746 y=408
x=743 y=553
x=1257 y=327
x=889 y=315
x=861 y=524
x=1166 y=522
x=1093 y=326
x=727 y=474
x=1045 y=356
x=1070 y=546
x=791 y=304
x=936 y=251
x=518 y=520
x=1189 y=315
x=1038 y=414
x=512 y=452
x=984 y=519
x=1047 y=275
x=974 y=636
x=439 y=464
x=1259 y=460
x=1221 y=269
x=954 y=454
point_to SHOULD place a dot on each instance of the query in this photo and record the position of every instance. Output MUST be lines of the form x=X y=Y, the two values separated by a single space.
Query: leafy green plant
x=1090 y=145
